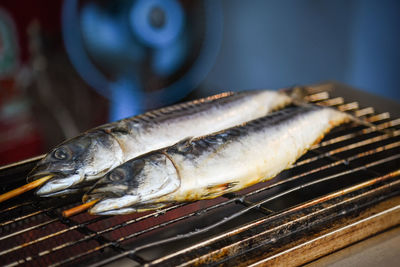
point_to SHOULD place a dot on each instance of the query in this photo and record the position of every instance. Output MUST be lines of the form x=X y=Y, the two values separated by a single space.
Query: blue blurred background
x=281 y=43
x=67 y=66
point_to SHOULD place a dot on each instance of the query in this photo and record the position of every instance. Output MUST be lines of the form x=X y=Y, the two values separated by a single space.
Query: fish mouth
x=58 y=184
x=137 y=207
x=111 y=204
x=68 y=191
x=101 y=193
x=122 y=211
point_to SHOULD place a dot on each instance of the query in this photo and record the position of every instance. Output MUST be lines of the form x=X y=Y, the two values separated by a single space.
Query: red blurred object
x=19 y=137
x=22 y=147
x=46 y=12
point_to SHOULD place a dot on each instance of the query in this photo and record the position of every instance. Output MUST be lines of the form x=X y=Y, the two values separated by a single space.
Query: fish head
x=83 y=158
x=133 y=183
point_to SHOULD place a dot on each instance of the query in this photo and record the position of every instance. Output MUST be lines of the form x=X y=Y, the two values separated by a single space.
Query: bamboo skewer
x=20 y=190
x=80 y=208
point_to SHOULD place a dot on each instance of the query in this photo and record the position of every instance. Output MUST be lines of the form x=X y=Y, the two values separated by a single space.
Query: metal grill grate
x=349 y=181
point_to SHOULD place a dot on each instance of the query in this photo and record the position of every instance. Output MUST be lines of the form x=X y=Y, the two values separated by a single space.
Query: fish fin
x=219 y=189
x=151 y=206
x=187 y=139
x=368 y=124
x=296 y=93
x=183 y=144
x=134 y=209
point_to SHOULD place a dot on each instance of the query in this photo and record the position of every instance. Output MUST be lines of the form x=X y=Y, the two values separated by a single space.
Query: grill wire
x=353 y=167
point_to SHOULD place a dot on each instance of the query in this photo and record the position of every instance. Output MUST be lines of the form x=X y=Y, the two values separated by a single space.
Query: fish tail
x=366 y=123
x=298 y=97
x=297 y=93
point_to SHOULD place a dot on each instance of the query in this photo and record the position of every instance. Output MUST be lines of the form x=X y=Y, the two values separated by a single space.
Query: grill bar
x=378 y=117
x=306 y=219
x=332 y=102
x=317 y=97
x=137 y=233
x=37 y=226
x=345 y=137
x=349 y=106
x=364 y=112
x=343 y=161
x=349 y=151
x=16 y=206
x=325 y=244
x=24 y=217
x=40 y=239
x=246 y=242
x=348 y=147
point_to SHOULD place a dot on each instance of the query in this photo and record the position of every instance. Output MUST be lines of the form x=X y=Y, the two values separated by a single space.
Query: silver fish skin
x=210 y=166
x=88 y=157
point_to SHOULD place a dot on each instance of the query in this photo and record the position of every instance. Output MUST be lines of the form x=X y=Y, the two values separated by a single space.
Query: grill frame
x=261 y=233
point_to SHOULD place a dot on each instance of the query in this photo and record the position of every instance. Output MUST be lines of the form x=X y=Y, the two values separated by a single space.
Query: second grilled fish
x=89 y=156
x=213 y=165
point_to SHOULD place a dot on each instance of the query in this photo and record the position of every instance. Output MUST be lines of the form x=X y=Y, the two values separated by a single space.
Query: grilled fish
x=89 y=156
x=209 y=166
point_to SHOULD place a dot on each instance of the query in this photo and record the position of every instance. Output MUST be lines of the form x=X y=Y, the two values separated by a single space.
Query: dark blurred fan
x=144 y=53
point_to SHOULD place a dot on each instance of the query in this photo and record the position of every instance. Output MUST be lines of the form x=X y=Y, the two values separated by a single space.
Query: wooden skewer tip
x=78 y=209
x=27 y=187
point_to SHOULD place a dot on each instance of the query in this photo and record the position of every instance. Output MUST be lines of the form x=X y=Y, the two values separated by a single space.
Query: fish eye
x=60 y=153
x=116 y=176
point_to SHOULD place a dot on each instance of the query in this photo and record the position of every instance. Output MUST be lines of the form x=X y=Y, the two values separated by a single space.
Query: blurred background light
x=282 y=43
x=118 y=47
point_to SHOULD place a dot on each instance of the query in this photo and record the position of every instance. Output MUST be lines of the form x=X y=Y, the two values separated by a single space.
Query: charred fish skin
x=227 y=161
x=89 y=156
